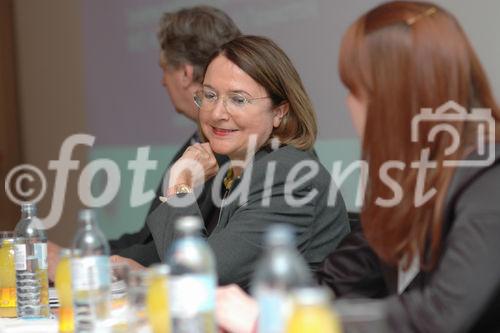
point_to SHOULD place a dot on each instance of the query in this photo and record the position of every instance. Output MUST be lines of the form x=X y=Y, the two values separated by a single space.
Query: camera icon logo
x=452 y=111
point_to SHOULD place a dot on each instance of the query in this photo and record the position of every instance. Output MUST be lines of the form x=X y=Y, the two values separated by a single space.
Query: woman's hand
x=52 y=259
x=196 y=165
x=235 y=311
x=134 y=265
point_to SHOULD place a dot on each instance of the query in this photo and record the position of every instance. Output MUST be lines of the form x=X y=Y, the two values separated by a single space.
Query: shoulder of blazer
x=285 y=155
x=286 y=158
x=462 y=179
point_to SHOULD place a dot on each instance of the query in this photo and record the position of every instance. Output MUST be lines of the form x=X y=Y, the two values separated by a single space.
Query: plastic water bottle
x=281 y=270
x=32 y=284
x=90 y=270
x=192 y=281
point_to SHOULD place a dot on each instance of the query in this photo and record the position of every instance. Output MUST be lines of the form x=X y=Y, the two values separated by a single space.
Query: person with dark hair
x=187 y=39
x=254 y=109
x=428 y=245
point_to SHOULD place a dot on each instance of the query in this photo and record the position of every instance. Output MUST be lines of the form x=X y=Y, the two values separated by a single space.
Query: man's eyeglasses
x=234 y=102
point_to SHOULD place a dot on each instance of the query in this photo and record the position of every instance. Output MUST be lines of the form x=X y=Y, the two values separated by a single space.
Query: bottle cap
x=86 y=215
x=28 y=207
x=279 y=234
x=188 y=224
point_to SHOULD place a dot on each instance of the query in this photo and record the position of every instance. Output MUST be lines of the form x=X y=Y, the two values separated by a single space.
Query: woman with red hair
x=431 y=214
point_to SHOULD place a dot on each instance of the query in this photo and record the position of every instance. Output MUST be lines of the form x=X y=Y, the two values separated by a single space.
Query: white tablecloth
x=16 y=325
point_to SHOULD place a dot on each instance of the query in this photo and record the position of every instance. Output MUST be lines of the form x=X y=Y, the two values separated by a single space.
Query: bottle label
x=90 y=273
x=274 y=310
x=191 y=294
x=41 y=254
x=20 y=257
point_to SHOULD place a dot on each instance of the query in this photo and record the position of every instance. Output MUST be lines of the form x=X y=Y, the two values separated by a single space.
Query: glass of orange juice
x=157 y=299
x=64 y=293
x=312 y=312
x=7 y=275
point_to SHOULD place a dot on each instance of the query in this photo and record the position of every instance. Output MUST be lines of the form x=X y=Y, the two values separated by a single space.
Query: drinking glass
x=7 y=275
x=120 y=274
x=137 y=293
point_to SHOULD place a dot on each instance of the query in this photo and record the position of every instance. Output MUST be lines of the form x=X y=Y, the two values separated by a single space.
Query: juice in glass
x=7 y=275
x=156 y=299
x=312 y=313
x=64 y=293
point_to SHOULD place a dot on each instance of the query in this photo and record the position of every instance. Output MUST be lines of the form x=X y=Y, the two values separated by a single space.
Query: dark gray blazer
x=237 y=240
x=463 y=293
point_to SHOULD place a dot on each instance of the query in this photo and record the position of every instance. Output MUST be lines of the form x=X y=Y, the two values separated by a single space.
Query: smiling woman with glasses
x=253 y=109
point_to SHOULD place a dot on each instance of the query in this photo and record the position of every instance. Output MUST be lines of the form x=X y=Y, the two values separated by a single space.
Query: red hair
x=401 y=57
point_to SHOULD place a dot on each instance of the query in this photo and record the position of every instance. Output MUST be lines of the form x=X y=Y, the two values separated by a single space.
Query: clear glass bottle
x=90 y=269
x=32 y=284
x=280 y=270
x=192 y=281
